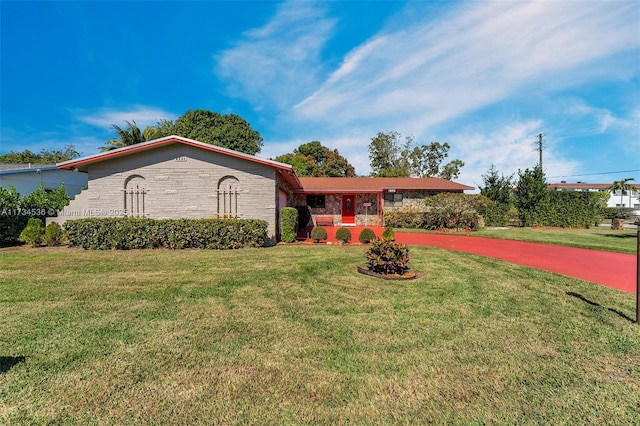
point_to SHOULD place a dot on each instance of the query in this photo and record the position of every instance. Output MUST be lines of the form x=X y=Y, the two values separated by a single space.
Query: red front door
x=348 y=209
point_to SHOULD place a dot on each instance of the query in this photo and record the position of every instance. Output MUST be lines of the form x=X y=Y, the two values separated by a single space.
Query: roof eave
x=102 y=156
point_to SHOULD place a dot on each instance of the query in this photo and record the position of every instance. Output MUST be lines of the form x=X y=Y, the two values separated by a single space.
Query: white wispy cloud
x=142 y=115
x=481 y=53
x=278 y=63
x=443 y=78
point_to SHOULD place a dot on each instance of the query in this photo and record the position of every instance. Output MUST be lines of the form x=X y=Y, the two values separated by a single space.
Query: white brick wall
x=180 y=181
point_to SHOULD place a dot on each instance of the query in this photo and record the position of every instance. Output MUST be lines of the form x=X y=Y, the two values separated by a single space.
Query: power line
x=595 y=174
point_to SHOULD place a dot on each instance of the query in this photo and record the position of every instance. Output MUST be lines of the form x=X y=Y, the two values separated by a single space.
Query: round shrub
x=366 y=236
x=343 y=235
x=53 y=234
x=32 y=233
x=318 y=233
x=388 y=234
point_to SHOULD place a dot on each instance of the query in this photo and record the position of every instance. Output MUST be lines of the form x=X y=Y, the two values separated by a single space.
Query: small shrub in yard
x=318 y=233
x=53 y=234
x=388 y=257
x=343 y=235
x=32 y=233
x=388 y=234
x=289 y=224
x=366 y=236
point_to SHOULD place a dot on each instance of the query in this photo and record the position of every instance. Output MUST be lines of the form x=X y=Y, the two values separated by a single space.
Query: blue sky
x=487 y=77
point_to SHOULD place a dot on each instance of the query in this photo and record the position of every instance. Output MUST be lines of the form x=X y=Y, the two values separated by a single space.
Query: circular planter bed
x=405 y=276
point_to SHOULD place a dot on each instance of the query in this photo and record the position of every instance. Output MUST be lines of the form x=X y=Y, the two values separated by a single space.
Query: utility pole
x=540 y=135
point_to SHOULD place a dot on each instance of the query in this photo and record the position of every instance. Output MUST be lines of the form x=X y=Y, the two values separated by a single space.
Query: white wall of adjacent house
x=28 y=180
x=629 y=199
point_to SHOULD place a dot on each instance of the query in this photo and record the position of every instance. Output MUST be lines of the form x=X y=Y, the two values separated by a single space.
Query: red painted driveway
x=615 y=270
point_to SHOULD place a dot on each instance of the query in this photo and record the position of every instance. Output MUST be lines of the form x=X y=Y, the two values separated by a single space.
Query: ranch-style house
x=176 y=177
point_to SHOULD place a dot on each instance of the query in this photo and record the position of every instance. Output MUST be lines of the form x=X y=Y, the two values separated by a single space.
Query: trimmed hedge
x=568 y=209
x=288 y=224
x=139 y=233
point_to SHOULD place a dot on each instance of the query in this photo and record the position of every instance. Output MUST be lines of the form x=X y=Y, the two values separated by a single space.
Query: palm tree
x=130 y=135
x=622 y=186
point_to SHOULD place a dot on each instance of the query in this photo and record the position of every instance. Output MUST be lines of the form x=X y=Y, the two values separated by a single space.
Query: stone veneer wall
x=333 y=207
x=412 y=201
x=179 y=181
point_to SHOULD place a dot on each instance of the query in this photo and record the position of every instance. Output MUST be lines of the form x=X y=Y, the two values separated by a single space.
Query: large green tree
x=392 y=155
x=315 y=159
x=228 y=131
x=46 y=156
x=624 y=187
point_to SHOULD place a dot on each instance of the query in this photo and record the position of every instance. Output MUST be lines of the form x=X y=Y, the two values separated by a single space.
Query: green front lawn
x=293 y=335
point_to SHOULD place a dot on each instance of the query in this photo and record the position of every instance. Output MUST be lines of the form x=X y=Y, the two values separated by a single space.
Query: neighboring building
x=361 y=201
x=628 y=199
x=176 y=177
x=26 y=178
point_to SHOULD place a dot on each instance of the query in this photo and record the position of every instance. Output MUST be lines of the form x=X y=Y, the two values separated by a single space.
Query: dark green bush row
x=495 y=213
x=288 y=224
x=567 y=209
x=464 y=211
x=133 y=233
x=16 y=209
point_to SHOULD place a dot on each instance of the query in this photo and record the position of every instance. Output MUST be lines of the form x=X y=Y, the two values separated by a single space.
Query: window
x=134 y=196
x=228 y=197
x=393 y=199
x=315 y=201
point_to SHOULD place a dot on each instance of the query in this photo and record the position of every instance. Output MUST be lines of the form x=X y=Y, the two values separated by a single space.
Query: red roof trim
x=320 y=185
